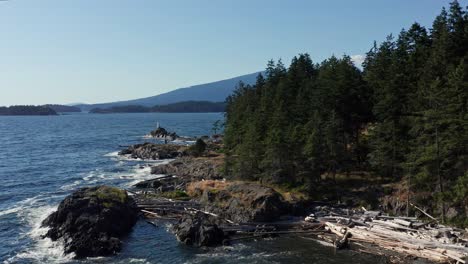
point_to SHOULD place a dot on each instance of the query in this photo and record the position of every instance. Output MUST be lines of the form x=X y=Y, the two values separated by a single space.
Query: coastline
x=182 y=168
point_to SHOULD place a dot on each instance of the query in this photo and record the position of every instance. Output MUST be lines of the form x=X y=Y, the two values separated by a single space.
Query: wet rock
x=199 y=230
x=154 y=151
x=163 y=134
x=92 y=221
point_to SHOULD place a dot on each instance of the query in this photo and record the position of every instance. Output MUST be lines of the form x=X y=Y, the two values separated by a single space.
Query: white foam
x=10 y=211
x=71 y=186
x=134 y=260
x=112 y=154
x=19 y=206
x=140 y=174
x=43 y=250
x=129 y=158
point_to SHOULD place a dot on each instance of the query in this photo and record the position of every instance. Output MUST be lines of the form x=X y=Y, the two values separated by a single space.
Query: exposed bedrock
x=92 y=221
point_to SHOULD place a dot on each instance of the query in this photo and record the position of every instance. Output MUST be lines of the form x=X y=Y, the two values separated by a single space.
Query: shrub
x=198 y=148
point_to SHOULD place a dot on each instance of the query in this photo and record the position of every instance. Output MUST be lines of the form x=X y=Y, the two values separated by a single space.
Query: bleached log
x=403 y=222
x=422 y=211
x=403 y=242
x=393 y=225
x=208 y=213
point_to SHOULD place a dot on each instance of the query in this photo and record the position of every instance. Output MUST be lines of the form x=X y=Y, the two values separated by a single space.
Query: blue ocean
x=45 y=158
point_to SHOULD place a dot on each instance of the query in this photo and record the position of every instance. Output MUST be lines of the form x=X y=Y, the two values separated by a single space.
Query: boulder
x=154 y=151
x=92 y=221
x=199 y=230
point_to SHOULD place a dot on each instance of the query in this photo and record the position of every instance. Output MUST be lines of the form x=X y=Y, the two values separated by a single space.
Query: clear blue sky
x=66 y=51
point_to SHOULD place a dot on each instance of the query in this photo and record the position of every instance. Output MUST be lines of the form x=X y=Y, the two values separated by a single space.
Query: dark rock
x=162 y=184
x=163 y=133
x=199 y=230
x=195 y=168
x=245 y=202
x=153 y=183
x=91 y=221
x=154 y=151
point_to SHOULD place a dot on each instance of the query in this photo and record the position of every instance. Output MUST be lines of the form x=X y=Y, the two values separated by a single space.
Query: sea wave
x=112 y=154
x=19 y=206
x=43 y=250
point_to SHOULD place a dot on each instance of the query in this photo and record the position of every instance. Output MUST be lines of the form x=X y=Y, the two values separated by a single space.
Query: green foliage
x=217 y=126
x=177 y=194
x=297 y=123
x=404 y=116
x=198 y=148
x=110 y=195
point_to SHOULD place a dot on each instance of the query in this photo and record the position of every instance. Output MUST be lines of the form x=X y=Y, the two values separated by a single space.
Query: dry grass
x=196 y=188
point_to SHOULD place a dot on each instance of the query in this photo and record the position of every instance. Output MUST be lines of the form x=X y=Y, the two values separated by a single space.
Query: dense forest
x=403 y=117
x=181 y=107
x=26 y=110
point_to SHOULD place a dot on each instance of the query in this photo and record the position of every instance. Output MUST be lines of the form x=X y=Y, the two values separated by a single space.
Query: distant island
x=63 y=108
x=181 y=107
x=27 y=110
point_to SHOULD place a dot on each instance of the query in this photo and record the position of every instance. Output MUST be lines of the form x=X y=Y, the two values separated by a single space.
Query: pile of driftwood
x=159 y=208
x=338 y=226
x=406 y=235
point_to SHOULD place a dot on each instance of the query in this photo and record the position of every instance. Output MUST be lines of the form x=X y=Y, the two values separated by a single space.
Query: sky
x=94 y=51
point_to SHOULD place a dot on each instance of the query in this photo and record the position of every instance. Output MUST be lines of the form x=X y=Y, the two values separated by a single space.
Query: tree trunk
x=394 y=149
x=439 y=175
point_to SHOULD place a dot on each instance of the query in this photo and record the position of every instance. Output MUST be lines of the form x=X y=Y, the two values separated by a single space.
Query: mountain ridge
x=213 y=92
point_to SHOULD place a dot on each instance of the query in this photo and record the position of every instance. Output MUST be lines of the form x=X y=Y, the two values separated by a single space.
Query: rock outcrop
x=153 y=151
x=243 y=202
x=195 y=168
x=163 y=134
x=91 y=221
x=199 y=230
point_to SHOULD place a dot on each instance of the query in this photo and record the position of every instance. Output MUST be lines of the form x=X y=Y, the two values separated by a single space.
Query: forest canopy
x=402 y=116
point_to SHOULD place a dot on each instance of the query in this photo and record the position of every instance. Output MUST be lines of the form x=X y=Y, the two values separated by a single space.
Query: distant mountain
x=180 y=107
x=212 y=92
x=63 y=108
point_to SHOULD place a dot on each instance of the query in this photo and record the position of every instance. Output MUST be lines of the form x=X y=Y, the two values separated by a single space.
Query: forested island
x=181 y=107
x=63 y=108
x=27 y=110
x=399 y=126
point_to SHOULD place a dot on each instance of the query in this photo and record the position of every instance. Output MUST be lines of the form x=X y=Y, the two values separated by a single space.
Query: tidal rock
x=163 y=134
x=154 y=151
x=92 y=221
x=199 y=230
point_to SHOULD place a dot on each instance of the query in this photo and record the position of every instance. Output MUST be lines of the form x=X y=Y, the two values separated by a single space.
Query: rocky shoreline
x=203 y=208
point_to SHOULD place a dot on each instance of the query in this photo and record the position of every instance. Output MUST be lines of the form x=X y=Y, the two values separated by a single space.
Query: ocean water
x=45 y=158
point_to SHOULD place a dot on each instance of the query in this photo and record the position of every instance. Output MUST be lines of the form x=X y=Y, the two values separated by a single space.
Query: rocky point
x=92 y=221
